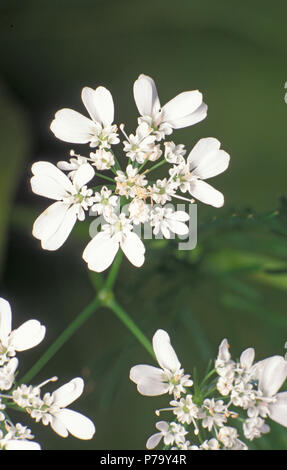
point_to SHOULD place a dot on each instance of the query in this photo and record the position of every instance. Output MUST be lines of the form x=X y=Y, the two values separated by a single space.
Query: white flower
x=254 y=427
x=106 y=202
x=17 y=437
x=184 y=110
x=7 y=374
x=52 y=410
x=131 y=183
x=71 y=126
x=224 y=364
x=186 y=411
x=73 y=165
x=102 y=249
x=228 y=436
x=162 y=191
x=169 y=378
x=54 y=225
x=27 y=336
x=204 y=161
x=215 y=413
x=271 y=373
x=102 y=159
x=174 y=153
x=211 y=444
x=139 y=211
x=165 y=220
x=170 y=433
x=139 y=146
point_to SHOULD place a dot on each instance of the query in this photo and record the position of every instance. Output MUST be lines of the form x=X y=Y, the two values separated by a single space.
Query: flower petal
x=62 y=219
x=5 y=320
x=99 y=104
x=191 y=119
x=100 y=252
x=206 y=193
x=151 y=388
x=278 y=410
x=272 y=373
x=28 y=335
x=21 y=444
x=206 y=160
x=58 y=426
x=145 y=95
x=48 y=222
x=69 y=392
x=181 y=106
x=71 y=126
x=143 y=371
x=77 y=424
x=134 y=249
x=177 y=227
x=83 y=175
x=164 y=352
x=154 y=440
x=49 y=181
x=247 y=358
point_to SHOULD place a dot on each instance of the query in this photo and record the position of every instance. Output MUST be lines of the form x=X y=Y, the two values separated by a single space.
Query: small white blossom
x=215 y=413
x=174 y=153
x=27 y=336
x=138 y=147
x=71 y=126
x=206 y=160
x=54 y=225
x=52 y=410
x=131 y=183
x=170 y=433
x=186 y=411
x=254 y=427
x=184 y=110
x=102 y=249
x=139 y=211
x=169 y=378
x=228 y=436
x=211 y=444
x=73 y=165
x=102 y=159
x=105 y=203
x=166 y=220
x=162 y=191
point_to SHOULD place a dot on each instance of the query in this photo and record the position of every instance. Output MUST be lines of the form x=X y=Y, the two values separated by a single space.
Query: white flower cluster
x=131 y=197
x=203 y=420
x=51 y=409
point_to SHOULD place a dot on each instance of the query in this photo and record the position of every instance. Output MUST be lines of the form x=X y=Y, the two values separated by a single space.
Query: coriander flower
x=55 y=224
x=27 y=336
x=166 y=220
x=170 y=433
x=271 y=373
x=52 y=410
x=71 y=126
x=184 y=110
x=205 y=160
x=102 y=249
x=169 y=378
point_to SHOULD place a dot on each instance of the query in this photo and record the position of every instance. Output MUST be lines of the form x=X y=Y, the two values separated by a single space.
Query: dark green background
x=235 y=53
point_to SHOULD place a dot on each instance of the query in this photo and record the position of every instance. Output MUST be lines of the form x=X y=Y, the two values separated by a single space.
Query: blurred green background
x=234 y=284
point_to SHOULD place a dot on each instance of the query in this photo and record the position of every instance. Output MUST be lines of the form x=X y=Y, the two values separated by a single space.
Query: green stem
x=105 y=298
x=104 y=177
x=157 y=165
x=129 y=323
x=62 y=339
